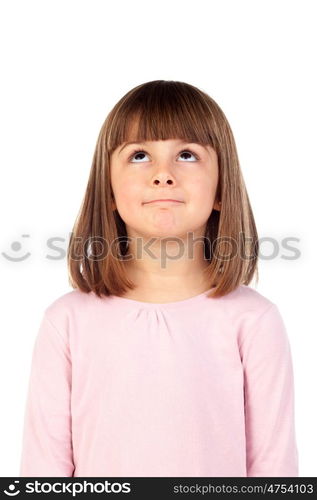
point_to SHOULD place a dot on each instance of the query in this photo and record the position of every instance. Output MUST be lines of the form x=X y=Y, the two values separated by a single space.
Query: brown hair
x=159 y=110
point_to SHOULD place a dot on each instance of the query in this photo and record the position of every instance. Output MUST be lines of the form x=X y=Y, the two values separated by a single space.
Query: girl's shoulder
x=246 y=305
x=68 y=302
x=244 y=297
x=70 y=309
x=254 y=313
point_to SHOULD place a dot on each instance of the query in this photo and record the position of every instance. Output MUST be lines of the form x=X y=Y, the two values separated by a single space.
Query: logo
x=12 y=492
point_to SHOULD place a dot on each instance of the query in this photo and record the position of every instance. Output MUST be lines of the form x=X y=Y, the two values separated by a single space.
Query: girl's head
x=163 y=139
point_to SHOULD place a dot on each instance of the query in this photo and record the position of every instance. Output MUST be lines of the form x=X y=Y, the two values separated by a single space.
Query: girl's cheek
x=131 y=190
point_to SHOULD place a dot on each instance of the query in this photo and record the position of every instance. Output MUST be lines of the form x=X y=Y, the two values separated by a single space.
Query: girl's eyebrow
x=127 y=144
x=143 y=144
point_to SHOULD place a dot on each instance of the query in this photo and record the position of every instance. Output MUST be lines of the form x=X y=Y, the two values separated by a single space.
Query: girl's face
x=169 y=169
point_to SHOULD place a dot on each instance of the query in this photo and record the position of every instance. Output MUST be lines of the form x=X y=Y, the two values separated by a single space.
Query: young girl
x=162 y=361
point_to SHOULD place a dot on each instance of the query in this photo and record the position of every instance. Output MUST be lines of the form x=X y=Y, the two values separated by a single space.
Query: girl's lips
x=164 y=201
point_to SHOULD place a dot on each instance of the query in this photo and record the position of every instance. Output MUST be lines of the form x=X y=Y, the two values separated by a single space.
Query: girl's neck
x=160 y=287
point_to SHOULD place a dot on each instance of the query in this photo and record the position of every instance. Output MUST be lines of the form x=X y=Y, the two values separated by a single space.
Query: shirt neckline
x=116 y=299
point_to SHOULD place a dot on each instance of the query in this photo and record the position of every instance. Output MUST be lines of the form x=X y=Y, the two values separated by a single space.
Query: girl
x=162 y=361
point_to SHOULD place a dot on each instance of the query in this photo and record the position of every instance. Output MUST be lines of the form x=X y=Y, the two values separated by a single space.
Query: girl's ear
x=113 y=203
x=217 y=205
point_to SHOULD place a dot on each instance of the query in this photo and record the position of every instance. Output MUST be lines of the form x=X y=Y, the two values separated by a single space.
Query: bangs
x=160 y=111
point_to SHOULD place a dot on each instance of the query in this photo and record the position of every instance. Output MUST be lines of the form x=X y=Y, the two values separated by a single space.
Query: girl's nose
x=163 y=178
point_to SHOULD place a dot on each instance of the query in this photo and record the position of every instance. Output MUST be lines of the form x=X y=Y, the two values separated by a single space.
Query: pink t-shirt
x=197 y=387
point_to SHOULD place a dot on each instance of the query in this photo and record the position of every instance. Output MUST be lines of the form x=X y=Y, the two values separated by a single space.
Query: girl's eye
x=141 y=152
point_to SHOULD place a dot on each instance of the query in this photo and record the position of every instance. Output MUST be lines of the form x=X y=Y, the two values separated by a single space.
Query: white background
x=64 y=65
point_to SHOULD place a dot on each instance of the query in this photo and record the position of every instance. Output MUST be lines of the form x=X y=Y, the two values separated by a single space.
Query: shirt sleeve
x=271 y=448
x=47 y=439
